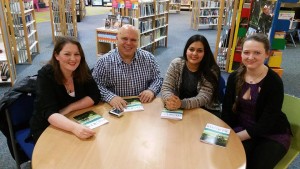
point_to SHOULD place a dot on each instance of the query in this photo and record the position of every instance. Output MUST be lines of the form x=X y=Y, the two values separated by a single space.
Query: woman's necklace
x=70 y=87
x=252 y=81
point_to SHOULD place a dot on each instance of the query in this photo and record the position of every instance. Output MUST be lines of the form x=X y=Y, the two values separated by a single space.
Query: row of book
x=107 y=37
x=221 y=60
x=161 y=7
x=4 y=71
x=145 y=25
x=160 y=32
x=116 y=21
x=208 y=21
x=70 y=27
x=146 y=39
x=174 y=7
x=161 y=21
x=209 y=12
x=18 y=19
x=16 y=8
x=146 y=9
x=22 y=56
x=210 y=4
x=175 y=1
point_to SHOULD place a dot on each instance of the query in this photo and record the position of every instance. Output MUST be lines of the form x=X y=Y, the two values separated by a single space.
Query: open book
x=216 y=135
x=171 y=114
x=133 y=104
x=90 y=119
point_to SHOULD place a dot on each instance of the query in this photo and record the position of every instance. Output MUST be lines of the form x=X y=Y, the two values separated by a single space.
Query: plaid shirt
x=117 y=78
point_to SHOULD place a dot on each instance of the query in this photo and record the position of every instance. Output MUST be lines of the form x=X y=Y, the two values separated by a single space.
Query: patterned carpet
x=43 y=15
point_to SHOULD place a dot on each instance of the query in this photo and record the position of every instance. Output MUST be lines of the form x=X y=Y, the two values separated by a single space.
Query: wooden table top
x=139 y=140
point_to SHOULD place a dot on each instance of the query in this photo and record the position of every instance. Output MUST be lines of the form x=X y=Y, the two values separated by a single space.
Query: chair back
x=20 y=111
x=291 y=107
x=18 y=116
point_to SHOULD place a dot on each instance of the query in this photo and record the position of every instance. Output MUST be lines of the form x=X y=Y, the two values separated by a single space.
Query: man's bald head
x=127 y=41
x=128 y=28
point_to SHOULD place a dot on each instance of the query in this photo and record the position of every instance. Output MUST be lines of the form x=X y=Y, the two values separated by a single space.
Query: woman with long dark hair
x=192 y=80
x=64 y=85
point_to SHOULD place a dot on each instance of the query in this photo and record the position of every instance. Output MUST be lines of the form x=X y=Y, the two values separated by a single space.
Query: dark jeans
x=263 y=153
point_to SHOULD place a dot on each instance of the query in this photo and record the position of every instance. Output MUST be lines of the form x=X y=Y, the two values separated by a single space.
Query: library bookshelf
x=174 y=6
x=63 y=18
x=206 y=14
x=186 y=5
x=23 y=34
x=7 y=63
x=150 y=17
x=80 y=10
x=241 y=20
x=105 y=40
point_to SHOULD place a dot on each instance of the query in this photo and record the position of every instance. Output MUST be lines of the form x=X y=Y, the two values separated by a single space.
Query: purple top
x=246 y=117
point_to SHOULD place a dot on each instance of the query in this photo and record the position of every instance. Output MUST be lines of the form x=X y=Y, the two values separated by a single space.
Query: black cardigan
x=269 y=117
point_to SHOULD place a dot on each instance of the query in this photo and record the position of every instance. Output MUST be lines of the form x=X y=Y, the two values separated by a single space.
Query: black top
x=268 y=115
x=52 y=97
x=188 y=87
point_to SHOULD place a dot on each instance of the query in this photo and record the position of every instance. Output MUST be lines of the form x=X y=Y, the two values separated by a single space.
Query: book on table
x=90 y=119
x=172 y=114
x=133 y=104
x=215 y=135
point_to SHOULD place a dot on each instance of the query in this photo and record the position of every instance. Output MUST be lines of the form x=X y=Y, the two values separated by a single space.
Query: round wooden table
x=139 y=140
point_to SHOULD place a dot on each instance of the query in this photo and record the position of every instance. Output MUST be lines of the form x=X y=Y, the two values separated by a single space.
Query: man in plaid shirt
x=127 y=71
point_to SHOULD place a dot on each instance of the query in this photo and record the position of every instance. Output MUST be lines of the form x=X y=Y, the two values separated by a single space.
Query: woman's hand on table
x=173 y=102
x=83 y=132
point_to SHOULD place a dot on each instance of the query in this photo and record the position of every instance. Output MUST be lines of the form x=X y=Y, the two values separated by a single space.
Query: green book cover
x=172 y=114
x=90 y=119
x=133 y=104
x=215 y=135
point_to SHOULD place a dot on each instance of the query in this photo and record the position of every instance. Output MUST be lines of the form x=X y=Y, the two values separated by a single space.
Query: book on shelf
x=216 y=135
x=112 y=22
x=133 y=104
x=90 y=119
x=126 y=20
x=172 y=114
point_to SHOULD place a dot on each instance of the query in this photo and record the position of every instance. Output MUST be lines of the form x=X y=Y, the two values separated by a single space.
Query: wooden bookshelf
x=23 y=34
x=174 y=6
x=63 y=18
x=242 y=20
x=106 y=40
x=7 y=64
x=206 y=14
x=80 y=10
x=186 y=5
x=241 y=28
x=150 y=17
x=225 y=35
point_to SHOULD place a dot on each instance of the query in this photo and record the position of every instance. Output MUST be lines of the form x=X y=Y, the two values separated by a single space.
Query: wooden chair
x=291 y=107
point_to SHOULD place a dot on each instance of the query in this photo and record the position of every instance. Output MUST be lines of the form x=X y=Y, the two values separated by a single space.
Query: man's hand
x=146 y=96
x=173 y=102
x=118 y=103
